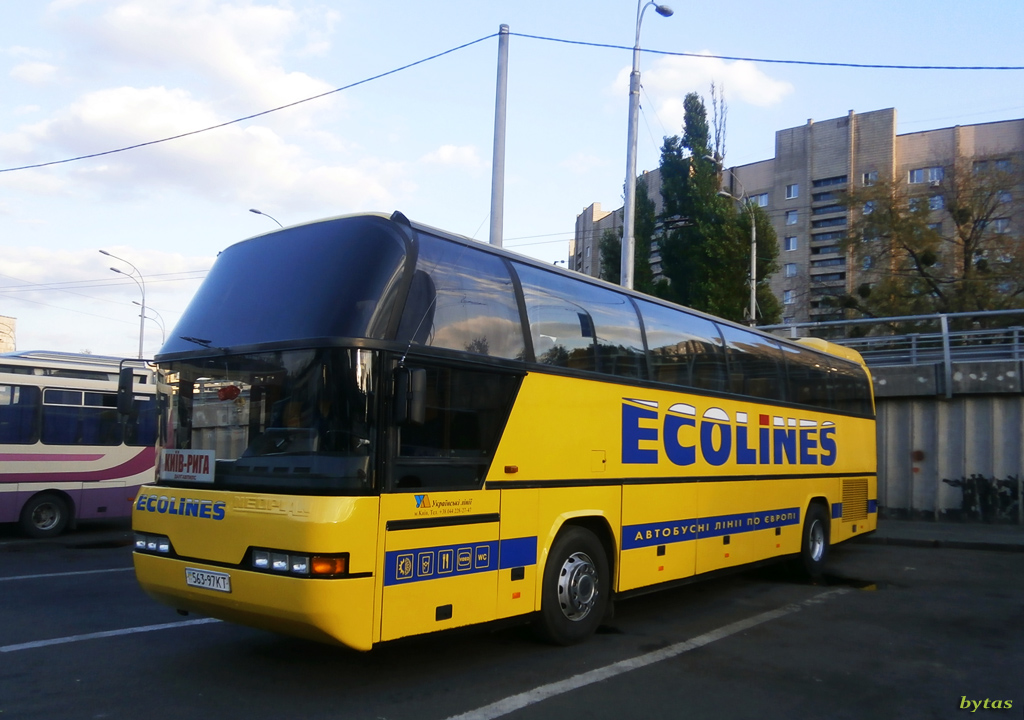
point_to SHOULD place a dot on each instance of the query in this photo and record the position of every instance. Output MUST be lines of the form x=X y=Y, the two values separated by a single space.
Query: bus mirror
x=410 y=396
x=125 y=391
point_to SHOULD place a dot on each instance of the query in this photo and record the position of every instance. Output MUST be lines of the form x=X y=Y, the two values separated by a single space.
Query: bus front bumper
x=337 y=610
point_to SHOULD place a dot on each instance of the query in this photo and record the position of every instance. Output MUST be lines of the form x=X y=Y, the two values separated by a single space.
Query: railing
x=945 y=346
x=961 y=345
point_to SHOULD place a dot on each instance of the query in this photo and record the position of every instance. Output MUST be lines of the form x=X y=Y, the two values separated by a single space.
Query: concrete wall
x=955 y=459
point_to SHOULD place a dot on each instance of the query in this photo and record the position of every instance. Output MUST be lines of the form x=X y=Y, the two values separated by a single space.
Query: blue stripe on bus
x=872 y=506
x=673 y=531
x=442 y=561
x=837 y=510
x=518 y=552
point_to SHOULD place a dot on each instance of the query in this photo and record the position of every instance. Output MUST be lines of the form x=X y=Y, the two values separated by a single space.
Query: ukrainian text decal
x=673 y=531
x=188 y=465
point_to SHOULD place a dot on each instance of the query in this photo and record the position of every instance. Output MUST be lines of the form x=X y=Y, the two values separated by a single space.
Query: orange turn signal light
x=329 y=565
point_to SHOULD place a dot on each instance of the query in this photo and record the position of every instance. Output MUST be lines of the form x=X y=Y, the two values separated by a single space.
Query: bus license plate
x=221 y=582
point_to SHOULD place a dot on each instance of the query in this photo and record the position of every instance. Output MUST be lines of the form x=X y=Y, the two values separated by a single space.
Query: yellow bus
x=372 y=429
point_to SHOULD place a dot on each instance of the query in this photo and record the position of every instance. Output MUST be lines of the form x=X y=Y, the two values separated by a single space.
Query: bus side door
x=440 y=567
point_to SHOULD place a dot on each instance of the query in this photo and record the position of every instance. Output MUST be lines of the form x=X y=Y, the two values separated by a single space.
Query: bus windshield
x=298 y=421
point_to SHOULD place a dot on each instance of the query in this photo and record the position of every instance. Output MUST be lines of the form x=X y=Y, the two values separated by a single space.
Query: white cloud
x=236 y=48
x=20 y=51
x=464 y=156
x=235 y=56
x=35 y=73
x=242 y=163
x=669 y=79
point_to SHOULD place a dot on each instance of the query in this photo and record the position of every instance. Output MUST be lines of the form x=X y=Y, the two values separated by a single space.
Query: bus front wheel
x=814 y=545
x=45 y=515
x=576 y=588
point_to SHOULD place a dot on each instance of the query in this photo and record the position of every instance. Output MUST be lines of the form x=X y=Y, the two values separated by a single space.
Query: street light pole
x=141 y=282
x=628 y=219
x=498 y=157
x=159 y=320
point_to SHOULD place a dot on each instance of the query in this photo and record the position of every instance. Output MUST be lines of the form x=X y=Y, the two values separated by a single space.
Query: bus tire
x=45 y=515
x=814 y=542
x=576 y=588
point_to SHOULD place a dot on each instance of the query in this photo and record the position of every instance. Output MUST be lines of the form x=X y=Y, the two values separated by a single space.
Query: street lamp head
x=104 y=252
x=119 y=272
x=260 y=212
x=725 y=194
x=663 y=10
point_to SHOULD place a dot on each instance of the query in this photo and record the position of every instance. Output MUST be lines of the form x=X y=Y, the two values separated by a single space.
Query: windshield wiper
x=202 y=343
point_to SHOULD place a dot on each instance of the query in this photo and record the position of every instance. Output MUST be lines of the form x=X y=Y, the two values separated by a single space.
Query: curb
x=985 y=545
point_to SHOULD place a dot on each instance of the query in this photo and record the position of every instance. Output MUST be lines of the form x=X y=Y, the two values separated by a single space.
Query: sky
x=81 y=77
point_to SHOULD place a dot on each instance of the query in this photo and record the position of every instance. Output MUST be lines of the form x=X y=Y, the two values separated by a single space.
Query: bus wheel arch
x=46 y=514
x=576 y=584
x=815 y=538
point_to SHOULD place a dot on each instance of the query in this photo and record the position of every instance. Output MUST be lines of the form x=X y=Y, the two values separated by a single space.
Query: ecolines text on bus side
x=718 y=438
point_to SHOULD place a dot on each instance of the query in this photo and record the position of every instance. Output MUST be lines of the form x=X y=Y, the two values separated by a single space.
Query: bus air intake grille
x=855 y=499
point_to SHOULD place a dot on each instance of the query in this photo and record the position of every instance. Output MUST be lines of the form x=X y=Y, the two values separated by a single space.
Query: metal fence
x=976 y=340
x=955 y=345
x=958 y=458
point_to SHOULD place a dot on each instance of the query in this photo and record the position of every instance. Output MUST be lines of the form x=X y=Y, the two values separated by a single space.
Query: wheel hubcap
x=577 y=586
x=45 y=516
x=816 y=541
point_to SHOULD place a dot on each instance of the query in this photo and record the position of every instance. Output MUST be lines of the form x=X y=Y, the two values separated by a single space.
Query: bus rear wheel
x=45 y=515
x=576 y=588
x=814 y=545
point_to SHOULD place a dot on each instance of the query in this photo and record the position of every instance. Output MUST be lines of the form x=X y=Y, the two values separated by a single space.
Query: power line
x=819 y=63
x=874 y=66
x=65 y=309
x=70 y=285
x=254 y=115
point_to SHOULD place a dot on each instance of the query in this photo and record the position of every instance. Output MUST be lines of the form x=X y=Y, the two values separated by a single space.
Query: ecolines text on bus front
x=718 y=438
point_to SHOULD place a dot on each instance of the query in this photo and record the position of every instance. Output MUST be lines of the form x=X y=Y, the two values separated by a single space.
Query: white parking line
x=104 y=634
x=63 y=574
x=538 y=694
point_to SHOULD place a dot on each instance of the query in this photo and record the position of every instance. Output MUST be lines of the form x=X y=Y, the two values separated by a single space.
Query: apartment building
x=593 y=222
x=814 y=163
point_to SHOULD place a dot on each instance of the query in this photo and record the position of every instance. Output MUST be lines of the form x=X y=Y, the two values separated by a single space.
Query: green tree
x=705 y=246
x=610 y=245
x=944 y=250
x=610 y=248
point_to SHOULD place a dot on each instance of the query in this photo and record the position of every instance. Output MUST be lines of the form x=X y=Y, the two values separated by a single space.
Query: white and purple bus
x=66 y=454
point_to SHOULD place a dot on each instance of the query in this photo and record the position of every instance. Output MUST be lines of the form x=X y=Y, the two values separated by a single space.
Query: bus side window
x=581 y=326
x=686 y=349
x=140 y=427
x=755 y=364
x=462 y=299
x=19 y=414
x=464 y=414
